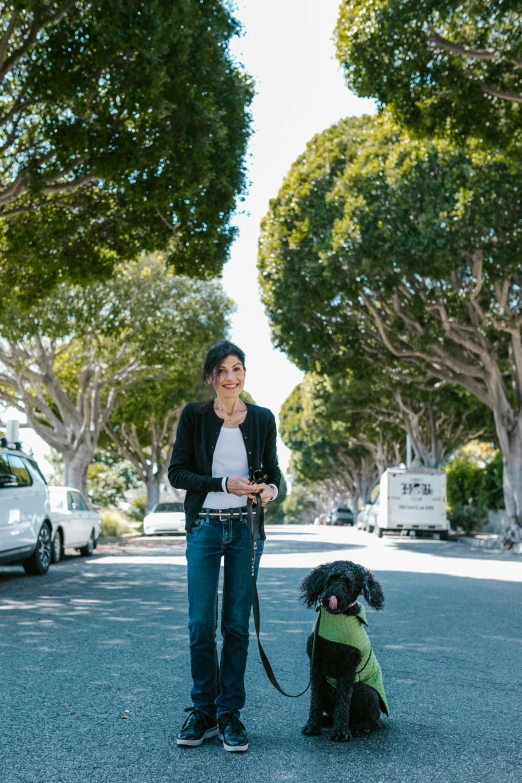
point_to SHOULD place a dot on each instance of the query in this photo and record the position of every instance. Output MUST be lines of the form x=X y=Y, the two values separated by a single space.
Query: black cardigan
x=191 y=462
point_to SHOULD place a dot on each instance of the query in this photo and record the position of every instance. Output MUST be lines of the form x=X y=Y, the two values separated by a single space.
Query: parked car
x=75 y=525
x=165 y=518
x=341 y=516
x=362 y=517
x=373 y=515
x=25 y=517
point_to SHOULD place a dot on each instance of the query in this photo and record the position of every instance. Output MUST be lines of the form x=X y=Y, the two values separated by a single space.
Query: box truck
x=412 y=500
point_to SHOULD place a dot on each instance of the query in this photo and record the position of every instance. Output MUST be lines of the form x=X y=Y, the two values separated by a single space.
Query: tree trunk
x=153 y=491
x=510 y=442
x=75 y=469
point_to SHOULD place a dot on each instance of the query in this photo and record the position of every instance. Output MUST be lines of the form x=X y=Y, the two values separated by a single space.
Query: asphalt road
x=94 y=670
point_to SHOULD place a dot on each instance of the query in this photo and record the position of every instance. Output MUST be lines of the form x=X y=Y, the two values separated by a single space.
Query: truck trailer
x=412 y=500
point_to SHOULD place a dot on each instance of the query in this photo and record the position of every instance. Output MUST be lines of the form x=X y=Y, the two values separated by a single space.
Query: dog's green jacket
x=350 y=630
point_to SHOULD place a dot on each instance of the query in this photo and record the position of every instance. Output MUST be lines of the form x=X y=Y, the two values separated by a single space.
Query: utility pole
x=408 y=452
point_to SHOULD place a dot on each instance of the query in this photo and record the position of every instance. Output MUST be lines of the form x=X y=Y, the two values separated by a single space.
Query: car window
x=4 y=465
x=19 y=470
x=57 y=500
x=82 y=505
x=35 y=471
x=5 y=470
x=164 y=508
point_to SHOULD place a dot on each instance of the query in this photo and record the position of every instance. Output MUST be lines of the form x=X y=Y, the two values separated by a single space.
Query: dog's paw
x=311 y=730
x=361 y=729
x=341 y=736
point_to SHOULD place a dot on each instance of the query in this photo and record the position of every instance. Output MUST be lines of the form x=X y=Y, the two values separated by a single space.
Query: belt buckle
x=224 y=518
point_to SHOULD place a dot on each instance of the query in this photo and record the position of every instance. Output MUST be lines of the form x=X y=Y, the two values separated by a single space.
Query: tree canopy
x=451 y=67
x=123 y=126
x=71 y=360
x=385 y=246
x=344 y=450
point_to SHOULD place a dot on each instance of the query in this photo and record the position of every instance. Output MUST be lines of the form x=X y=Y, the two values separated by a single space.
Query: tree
x=474 y=477
x=345 y=452
x=406 y=251
x=440 y=67
x=438 y=419
x=109 y=479
x=71 y=360
x=123 y=126
x=274 y=512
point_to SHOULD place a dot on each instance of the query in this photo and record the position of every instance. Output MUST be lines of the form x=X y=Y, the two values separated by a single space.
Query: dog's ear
x=372 y=591
x=314 y=584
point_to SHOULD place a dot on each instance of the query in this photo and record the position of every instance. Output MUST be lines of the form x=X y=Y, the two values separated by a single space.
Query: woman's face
x=229 y=378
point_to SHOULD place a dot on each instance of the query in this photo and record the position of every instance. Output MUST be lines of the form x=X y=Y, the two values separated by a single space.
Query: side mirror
x=74 y=506
x=8 y=480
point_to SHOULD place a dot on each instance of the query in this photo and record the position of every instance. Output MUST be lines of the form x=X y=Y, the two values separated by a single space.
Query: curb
x=489 y=542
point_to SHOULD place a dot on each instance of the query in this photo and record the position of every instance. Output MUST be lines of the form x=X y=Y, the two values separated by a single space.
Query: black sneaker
x=197 y=728
x=232 y=733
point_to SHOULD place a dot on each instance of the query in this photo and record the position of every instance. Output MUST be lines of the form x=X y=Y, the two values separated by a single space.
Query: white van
x=412 y=499
x=25 y=518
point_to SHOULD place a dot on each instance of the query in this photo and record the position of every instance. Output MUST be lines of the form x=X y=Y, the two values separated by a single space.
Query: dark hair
x=215 y=357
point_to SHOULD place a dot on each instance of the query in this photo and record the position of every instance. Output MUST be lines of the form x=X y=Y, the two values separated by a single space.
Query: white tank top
x=230 y=459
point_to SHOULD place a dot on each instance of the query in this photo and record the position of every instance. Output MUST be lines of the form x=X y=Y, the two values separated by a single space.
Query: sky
x=287 y=48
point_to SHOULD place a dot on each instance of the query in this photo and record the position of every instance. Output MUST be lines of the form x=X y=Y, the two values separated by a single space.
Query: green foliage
x=109 y=479
x=115 y=523
x=124 y=126
x=491 y=493
x=367 y=213
x=464 y=479
x=471 y=484
x=299 y=506
x=469 y=518
x=138 y=508
x=274 y=514
x=385 y=50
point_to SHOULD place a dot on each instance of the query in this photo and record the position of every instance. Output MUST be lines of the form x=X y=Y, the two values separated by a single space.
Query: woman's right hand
x=239 y=486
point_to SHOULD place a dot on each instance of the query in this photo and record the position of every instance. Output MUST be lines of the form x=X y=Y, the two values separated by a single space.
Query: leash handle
x=254 y=521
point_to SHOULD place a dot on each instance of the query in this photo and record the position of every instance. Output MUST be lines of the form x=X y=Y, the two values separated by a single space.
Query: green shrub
x=138 y=508
x=491 y=491
x=468 y=518
x=469 y=484
x=115 y=523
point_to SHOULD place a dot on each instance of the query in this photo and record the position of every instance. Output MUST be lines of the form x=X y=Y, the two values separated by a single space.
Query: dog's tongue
x=333 y=602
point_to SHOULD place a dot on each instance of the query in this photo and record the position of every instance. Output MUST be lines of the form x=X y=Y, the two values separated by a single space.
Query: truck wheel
x=38 y=563
x=443 y=535
x=378 y=531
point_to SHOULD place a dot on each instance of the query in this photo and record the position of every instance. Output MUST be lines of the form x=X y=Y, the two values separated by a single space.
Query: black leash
x=254 y=521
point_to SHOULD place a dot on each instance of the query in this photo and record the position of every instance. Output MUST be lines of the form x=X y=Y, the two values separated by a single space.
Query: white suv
x=25 y=519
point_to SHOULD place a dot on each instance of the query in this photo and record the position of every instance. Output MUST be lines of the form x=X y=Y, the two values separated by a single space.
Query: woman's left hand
x=265 y=492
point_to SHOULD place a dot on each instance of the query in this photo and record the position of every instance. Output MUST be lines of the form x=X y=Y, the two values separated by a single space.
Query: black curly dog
x=353 y=708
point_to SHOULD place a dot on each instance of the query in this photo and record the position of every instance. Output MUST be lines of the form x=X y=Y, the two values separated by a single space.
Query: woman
x=219 y=445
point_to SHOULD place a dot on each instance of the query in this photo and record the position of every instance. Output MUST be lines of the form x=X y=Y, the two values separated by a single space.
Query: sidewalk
x=491 y=541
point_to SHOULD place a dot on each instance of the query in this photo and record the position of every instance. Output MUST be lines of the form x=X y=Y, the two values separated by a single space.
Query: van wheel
x=378 y=531
x=57 y=548
x=38 y=563
x=443 y=535
x=88 y=549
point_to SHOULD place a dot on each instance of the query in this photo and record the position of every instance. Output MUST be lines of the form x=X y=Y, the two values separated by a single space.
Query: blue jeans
x=219 y=688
